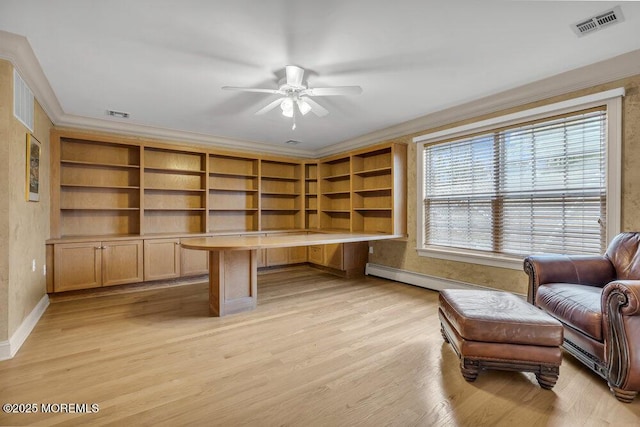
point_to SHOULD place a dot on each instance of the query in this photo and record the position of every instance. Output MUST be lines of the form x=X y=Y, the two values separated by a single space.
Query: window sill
x=472 y=257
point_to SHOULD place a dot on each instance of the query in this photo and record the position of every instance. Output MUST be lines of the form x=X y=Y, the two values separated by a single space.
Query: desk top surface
x=236 y=243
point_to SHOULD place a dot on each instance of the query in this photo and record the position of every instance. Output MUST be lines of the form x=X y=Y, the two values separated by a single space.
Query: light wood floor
x=317 y=351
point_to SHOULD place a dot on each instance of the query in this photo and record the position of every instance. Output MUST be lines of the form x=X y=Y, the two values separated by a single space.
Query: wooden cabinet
x=166 y=259
x=95 y=264
x=161 y=259
x=110 y=188
x=285 y=256
x=333 y=256
x=316 y=254
x=350 y=258
x=193 y=263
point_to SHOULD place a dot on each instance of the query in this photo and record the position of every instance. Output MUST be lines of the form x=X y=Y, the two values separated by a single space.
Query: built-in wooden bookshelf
x=281 y=201
x=335 y=193
x=372 y=188
x=99 y=188
x=106 y=185
x=233 y=193
x=111 y=194
x=311 y=195
x=174 y=197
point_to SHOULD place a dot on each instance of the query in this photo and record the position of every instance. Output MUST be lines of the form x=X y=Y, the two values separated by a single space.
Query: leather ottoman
x=498 y=330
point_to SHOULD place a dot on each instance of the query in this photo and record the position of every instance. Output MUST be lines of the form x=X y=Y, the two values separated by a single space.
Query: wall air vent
x=118 y=114
x=23 y=102
x=598 y=22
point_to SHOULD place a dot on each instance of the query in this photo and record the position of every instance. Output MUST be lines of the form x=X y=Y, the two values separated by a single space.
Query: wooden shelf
x=176 y=190
x=174 y=171
x=233 y=190
x=279 y=178
x=233 y=174
x=233 y=210
x=98 y=164
x=337 y=177
x=121 y=186
x=335 y=193
x=99 y=209
x=98 y=187
x=175 y=209
x=376 y=171
x=374 y=190
x=278 y=194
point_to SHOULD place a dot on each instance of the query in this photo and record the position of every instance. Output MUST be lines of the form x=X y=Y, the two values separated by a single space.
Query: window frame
x=611 y=100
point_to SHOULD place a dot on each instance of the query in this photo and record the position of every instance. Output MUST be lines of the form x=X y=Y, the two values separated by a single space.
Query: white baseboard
x=9 y=348
x=418 y=279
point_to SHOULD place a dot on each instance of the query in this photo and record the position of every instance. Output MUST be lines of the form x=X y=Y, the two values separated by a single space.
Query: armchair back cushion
x=624 y=254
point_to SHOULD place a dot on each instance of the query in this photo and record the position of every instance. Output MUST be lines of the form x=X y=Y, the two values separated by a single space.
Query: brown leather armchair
x=597 y=300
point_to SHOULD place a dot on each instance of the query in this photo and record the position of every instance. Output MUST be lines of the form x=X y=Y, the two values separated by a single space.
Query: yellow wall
x=24 y=226
x=402 y=255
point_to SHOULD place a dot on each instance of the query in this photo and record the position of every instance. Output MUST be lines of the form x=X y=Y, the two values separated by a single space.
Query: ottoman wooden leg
x=547 y=381
x=470 y=370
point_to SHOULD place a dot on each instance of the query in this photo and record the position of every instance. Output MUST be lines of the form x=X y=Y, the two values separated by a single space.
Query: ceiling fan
x=295 y=96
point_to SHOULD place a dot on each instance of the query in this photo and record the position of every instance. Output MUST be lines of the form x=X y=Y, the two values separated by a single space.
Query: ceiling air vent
x=598 y=22
x=119 y=114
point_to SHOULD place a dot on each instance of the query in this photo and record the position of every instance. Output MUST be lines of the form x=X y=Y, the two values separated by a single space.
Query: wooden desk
x=233 y=263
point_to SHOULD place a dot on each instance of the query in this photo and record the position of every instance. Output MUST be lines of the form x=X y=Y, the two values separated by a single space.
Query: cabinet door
x=277 y=256
x=121 y=262
x=316 y=254
x=193 y=262
x=297 y=254
x=161 y=259
x=333 y=256
x=77 y=266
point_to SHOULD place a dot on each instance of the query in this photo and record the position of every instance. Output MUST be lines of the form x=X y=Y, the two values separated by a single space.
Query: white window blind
x=537 y=187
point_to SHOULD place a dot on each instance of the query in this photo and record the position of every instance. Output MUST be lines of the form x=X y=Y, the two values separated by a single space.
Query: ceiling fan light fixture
x=287 y=107
x=303 y=106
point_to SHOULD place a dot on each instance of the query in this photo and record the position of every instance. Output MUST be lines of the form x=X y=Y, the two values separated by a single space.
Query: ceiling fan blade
x=294 y=75
x=333 y=91
x=253 y=89
x=270 y=106
x=317 y=109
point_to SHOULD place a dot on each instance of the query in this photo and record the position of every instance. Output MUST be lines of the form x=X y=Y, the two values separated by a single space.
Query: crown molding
x=610 y=70
x=17 y=50
x=172 y=135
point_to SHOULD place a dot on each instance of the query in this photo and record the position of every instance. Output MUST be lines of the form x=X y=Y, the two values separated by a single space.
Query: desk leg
x=233 y=280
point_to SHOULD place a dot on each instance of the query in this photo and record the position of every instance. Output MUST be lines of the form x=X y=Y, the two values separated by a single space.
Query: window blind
x=538 y=187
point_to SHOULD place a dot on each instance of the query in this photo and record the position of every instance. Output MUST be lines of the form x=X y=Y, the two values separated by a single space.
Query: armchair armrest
x=621 y=326
x=578 y=269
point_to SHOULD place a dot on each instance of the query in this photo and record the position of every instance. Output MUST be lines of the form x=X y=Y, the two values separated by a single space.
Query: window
x=535 y=183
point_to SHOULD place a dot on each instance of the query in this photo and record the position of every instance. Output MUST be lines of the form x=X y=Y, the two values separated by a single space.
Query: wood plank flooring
x=318 y=351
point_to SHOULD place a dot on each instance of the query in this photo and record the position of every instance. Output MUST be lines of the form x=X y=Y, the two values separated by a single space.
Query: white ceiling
x=164 y=62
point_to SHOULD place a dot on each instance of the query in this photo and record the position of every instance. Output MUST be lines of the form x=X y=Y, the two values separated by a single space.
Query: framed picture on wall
x=33 y=168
